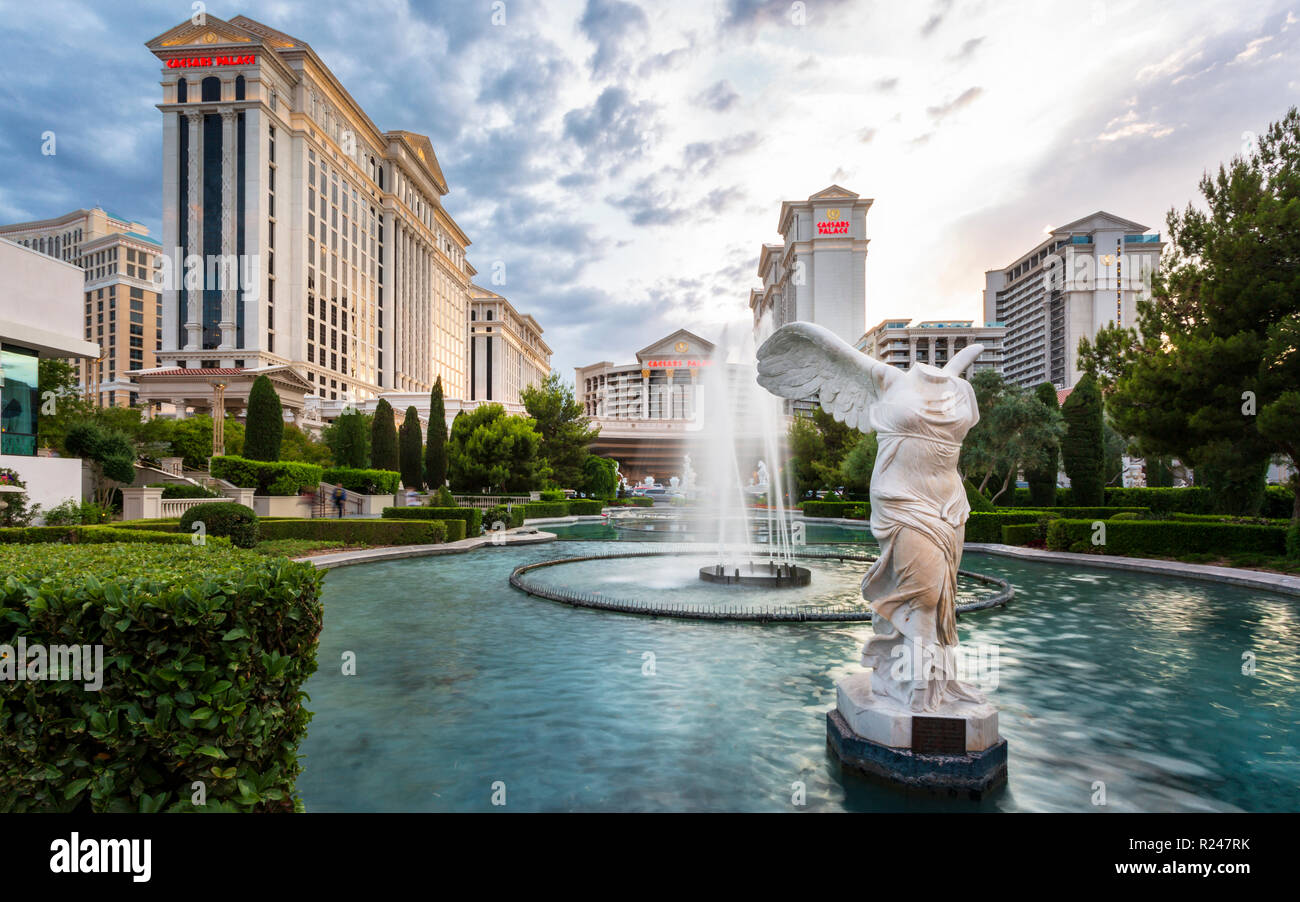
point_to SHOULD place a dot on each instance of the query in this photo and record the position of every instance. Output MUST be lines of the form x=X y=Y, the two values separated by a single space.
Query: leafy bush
x=977 y=500
x=512 y=517
x=1293 y=540
x=536 y=510
x=359 y=531
x=363 y=482
x=223 y=518
x=585 y=506
x=471 y=516
x=1093 y=513
x=442 y=498
x=76 y=513
x=205 y=656
x=551 y=495
x=267 y=477
x=94 y=535
x=1166 y=538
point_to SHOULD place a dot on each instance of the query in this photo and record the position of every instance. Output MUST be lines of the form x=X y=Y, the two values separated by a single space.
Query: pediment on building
x=422 y=147
x=679 y=345
x=834 y=192
x=213 y=32
x=1101 y=220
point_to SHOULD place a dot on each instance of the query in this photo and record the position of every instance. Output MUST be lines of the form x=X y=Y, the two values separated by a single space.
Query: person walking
x=339 y=497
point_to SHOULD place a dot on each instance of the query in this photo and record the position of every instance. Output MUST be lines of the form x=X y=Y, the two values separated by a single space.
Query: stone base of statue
x=954 y=751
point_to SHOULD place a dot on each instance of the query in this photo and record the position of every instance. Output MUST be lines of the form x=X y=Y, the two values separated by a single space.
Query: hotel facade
x=817 y=274
x=901 y=343
x=123 y=307
x=1086 y=275
x=334 y=255
x=506 y=350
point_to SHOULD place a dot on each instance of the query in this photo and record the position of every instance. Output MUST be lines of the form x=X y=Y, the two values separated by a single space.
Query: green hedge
x=223 y=518
x=363 y=531
x=1166 y=538
x=826 y=508
x=267 y=477
x=363 y=482
x=95 y=535
x=205 y=656
x=1080 y=513
x=1188 y=500
x=586 y=506
x=184 y=490
x=472 y=516
x=1023 y=533
x=512 y=517
x=535 y=510
x=632 y=501
x=166 y=524
x=987 y=526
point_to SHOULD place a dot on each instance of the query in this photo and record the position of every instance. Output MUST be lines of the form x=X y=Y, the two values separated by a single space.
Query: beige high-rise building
x=506 y=350
x=123 y=307
x=346 y=267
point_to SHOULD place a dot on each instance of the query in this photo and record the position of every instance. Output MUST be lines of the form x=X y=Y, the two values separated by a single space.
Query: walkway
x=396 y=552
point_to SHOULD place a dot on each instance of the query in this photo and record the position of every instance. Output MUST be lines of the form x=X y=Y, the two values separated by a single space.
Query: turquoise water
x=463 y=682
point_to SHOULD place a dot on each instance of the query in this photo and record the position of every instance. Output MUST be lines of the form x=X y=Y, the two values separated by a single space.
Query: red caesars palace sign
x=673 y=364
x=833 y=224
x=196 y=62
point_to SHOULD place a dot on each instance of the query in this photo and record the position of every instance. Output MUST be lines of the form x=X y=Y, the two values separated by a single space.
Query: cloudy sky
x=626 y=160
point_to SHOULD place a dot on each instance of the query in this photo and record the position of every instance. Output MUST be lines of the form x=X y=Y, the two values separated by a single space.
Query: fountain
x=742 y=426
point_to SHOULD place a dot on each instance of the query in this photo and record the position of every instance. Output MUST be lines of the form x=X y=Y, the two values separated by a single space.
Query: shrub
x=76 y=513
x=585 y=506
x=95 y=535
x=986 y=526
x=359 y=531
x=1293 y=540
x=512 y=517
x=267 y=477
x=1165 y=538
x=205 y=656
x=184 y=490
x=442 y=498
x=551 y=495
x=471 y=516
x=223 y=518
x=1096 y=513
x=264 y=425
x=16 y=510
x=1022 y=533
x=827 y=508
x=977 y=500
x=1083 y=448
x=537 y=510
x=363 y=482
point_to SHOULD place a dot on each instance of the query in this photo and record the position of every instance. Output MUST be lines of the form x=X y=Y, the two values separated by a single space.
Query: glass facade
x=19 y=400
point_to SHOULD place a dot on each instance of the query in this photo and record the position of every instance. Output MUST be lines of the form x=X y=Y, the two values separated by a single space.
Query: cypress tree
x=383 y=438
x=411 y=449
x=1083 y=450
x=435 y=449
x=1042 y=483
x=265 y=425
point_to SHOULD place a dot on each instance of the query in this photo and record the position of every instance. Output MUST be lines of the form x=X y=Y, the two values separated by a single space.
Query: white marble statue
x=918 y=503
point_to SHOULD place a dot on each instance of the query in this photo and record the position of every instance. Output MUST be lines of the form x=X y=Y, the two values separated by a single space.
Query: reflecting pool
x=462 y=682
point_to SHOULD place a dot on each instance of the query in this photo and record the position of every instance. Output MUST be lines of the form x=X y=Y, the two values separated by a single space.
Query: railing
x=353 y=502
x=174 y=507
x=486 y=501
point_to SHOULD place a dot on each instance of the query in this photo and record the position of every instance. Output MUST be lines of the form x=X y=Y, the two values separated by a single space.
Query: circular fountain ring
x=520 y=580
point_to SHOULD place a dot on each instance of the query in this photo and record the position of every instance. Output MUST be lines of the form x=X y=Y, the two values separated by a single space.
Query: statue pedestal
x=953 y=751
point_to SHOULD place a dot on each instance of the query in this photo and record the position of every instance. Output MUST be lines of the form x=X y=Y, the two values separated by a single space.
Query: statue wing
x=806 y=361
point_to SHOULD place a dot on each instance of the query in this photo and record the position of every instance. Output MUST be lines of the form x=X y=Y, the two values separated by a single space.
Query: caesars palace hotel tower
x=349 y=269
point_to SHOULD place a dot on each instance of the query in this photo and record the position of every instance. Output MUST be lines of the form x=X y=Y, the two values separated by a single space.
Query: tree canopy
x=493 y=451
x=564 y=429
x=383 y=438
x=1016 y=431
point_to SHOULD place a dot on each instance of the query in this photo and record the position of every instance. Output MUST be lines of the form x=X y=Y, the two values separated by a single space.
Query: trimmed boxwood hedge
x=363 y=482
x=267 y=477
x=1278 y=500
x=987 y=526
x=1094 y=513
x=96 y=535
x=358 y=531
x=585 y=506
x=631 y=501
x=1022 y=533
x=512 y=517
x=223 y=518
x=852 y=510
x=471 y=516
x=205 y=656
x=184 y=490
x=1166 y=538
x=536 y=510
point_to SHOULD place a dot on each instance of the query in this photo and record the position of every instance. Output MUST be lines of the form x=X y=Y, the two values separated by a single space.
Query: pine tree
x=411 y=449
x=1042 y=483
x=435 y=449
x=265 y=424
x=383 y=438
x=1083 y=450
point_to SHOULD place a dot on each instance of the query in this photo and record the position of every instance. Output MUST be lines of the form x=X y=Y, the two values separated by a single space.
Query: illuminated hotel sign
x=672 y=364
x=833 y=224
x=197 y=62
